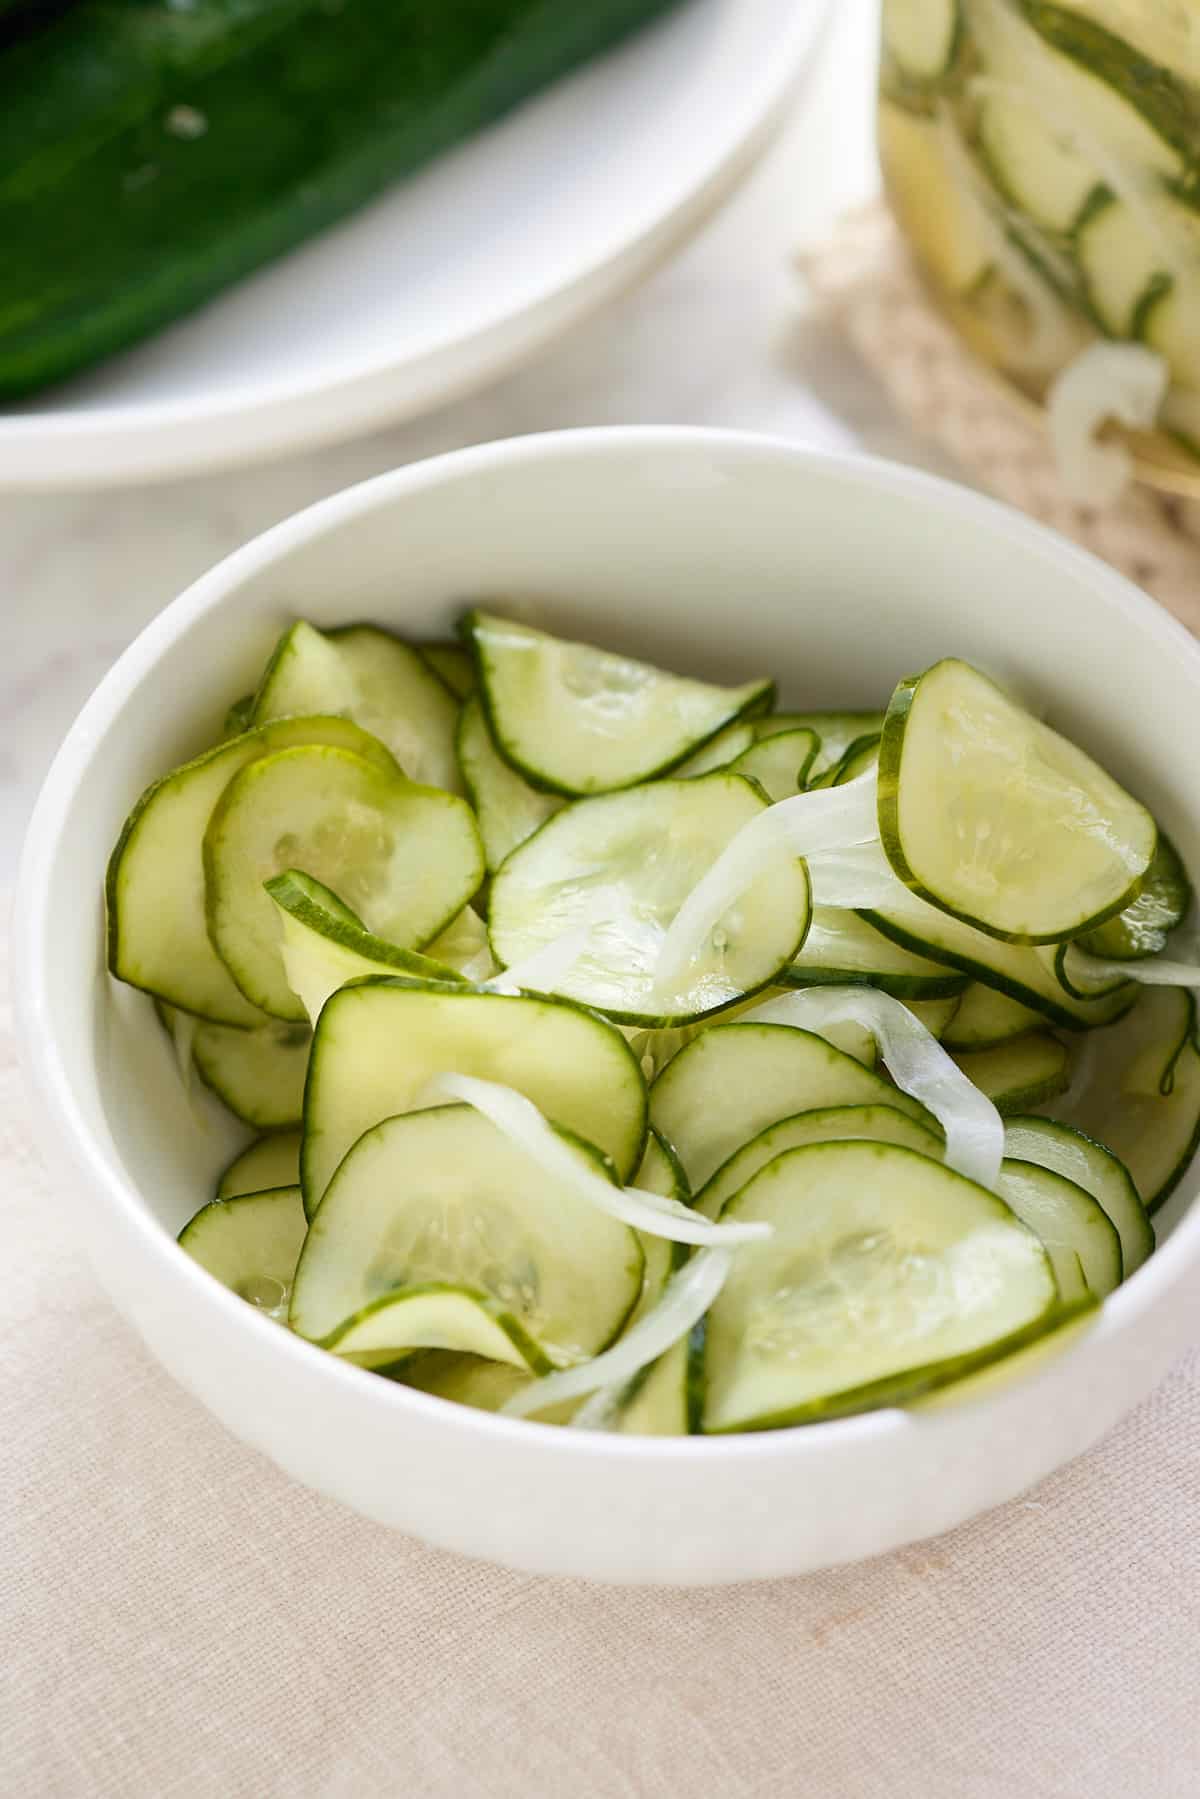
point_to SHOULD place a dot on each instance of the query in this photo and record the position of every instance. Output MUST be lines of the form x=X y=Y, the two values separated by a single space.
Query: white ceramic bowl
x=728 y=556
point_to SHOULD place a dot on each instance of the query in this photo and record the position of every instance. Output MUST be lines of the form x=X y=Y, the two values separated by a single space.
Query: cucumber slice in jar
x=780 y=762
x=734 y=1080
x=1094 y=1168
x=825 y=1124
x=1143 y=927
x=251 y=1244
x=623 y=864
x=1124 y=265
x=720 y=752
x=508 y=809
x=1080 y=1238
x=841 y=947
x=995 y=819
x=154 y=890
x=577 y=720
x=1035 y=161
x=270 y=1162
x=378 y=1045
x=323 y=945
x=888 y=1275
x=1024 y=1072
x=943 y=220
x=407 y=858
x=441 y=1198
x=1168 y=35
x=922 y=36
x=986 y=1017
x=371 y=677
x=1142 y=1096
x=453 y=666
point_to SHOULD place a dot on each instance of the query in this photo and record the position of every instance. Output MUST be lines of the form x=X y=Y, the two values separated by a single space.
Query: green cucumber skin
x=113 y=224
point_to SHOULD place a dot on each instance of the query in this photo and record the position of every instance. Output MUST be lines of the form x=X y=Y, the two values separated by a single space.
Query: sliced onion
x=544 y=969
x=916 y=1062
x=828 y=818
x=686 y=1297
x=1152 y=971
x=1126 y=382
x=859 y=876
x=521 y=1122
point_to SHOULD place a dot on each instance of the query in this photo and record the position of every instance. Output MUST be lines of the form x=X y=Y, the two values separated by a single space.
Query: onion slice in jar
x=1125 y=382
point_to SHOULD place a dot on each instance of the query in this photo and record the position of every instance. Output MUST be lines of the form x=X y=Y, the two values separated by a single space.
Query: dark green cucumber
x=150 y=155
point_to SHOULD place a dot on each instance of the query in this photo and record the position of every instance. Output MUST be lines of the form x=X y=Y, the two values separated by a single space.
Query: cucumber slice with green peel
x=1036 y=162
x=469 y=1380
x=657 y=1401
x=996 y=1377
x=935 y=1014
x=453 y=666
x=624 y=863
x=406 y=858
x=251 y=1244
x=258 y=1075
x=1142 y=1095
x=508 y=809
x=836 y=731
x=155 y=892
x=1124 y=265
x=780 y=762
x=863 y=754
x=1024 y=1072
x=1018 y=972
x=1094 y=1168
x=1168 y=35
x=1072 y=1225
x=986 y=1017
x=995 y=819
x=734 y=1080
x=270 y=1162
x=888 y=1275
x=442 y=1196
x=577 y=720
x=463 y=946
x=944 y=221
x=1169 y=322
x=371 y=677
x=826 y=1124
x=841 y=947
x=661 y=1172
x=439 y=1315
x=922 y=36
x=323 y=945
x=721 y=752
x=378 y=1045
x=240 y=717
x=1143 y=927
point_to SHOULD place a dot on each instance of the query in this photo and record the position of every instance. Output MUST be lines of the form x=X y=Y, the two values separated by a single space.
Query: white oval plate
x=448 y=279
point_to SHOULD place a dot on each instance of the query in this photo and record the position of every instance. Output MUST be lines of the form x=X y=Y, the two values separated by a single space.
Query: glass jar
x=1044 y=163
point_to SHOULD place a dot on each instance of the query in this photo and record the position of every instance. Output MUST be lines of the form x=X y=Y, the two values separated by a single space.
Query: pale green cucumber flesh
x=1021 y=1073
x=722 y=751
x=1069 y=1222
x=508 y=809
x=922 y=36
x=453 y=666
x=843 y=948
x=825 y=1124
x=272 y=1161
x=986 y=1017
x=779 y=762
x=1143 y=927
x=1094 y=1168
x=251 y=1244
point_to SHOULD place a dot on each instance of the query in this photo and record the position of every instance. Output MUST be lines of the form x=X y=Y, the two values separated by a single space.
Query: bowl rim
x=101 y=713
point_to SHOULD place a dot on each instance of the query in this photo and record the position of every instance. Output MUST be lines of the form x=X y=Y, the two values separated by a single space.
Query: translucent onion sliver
x=1151 y=971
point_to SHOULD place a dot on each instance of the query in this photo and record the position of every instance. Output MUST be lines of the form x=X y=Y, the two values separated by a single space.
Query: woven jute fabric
x=180 y=1621
x=864 y=278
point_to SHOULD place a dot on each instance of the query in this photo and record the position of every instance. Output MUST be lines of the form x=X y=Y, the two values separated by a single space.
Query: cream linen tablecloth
x=179 y=1621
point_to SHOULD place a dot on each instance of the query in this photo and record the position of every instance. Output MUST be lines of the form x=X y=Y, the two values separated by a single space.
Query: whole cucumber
x=152 y=153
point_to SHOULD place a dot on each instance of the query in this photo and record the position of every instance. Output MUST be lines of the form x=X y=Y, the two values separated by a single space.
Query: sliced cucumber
x=578 y=720
x=1143 y=927
x=922 y=36
x=1036 y=162
x=270 y=1162
x=661 y=1172
x=1142 y=1098
x=469 y=1380
x=991 y=816
x=406 y=858
x=441 y=1315
x=986 y=1017
x=463 y=946
x=942 y=218
x=842 y=947
x=157 y=934
x=1168 y=35
x=1024 y=1072
x=1124 y=265
x=258 y=1074
x=780 y=762
x=887 y=1275
x=1169 y=321
x=240 y=717
x=720 y=752
x=379 y=1044
x=836 y=731
x=323 y=945
x=826 y=1124
x=453 y=666
x=624 y=863
x=863 y=754
x=997 y=1376
x=442 y=1196
x=370 y=676
x=1076 y=1230
x=1020 y=973
x=508 y=809
x=1094 y=1168
x=251 y=1244
x=657 y=1401
x=734 y=1080
x=935 y=1014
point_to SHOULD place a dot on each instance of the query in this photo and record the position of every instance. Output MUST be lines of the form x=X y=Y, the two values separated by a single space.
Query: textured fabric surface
x=863 y=275
x=179 y=1621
